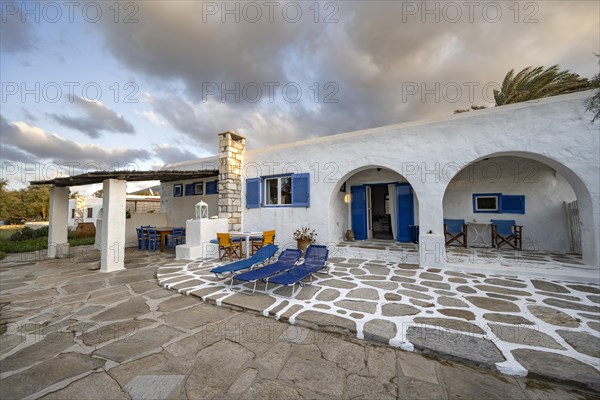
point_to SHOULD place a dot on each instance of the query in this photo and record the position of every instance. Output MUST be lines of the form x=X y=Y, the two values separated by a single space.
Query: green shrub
x=40 y=232
x=16 y=237
x=27 y=233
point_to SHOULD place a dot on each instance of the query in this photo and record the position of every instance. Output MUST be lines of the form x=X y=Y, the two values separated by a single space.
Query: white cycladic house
x=528 y=163
x=83 y=209
x=525 y=162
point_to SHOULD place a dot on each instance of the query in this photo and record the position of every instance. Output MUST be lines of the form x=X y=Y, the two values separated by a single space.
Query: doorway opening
x=380 y=215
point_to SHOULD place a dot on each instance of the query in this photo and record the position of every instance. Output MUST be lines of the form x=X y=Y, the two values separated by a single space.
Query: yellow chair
x=228 y=247
x=268 y=237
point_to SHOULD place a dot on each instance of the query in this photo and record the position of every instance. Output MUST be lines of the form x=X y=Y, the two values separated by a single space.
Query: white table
x=247 y=235
x=482 y=233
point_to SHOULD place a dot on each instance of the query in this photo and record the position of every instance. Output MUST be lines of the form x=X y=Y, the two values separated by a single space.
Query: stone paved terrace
x=489 y=260
x=71 y=332
x=513 y=324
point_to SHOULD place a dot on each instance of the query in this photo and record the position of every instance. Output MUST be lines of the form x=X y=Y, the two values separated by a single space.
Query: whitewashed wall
x=180 y=209
x=141 y=219
x=544 y=222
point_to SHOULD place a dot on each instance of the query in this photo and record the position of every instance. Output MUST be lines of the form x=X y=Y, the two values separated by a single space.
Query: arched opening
x=546 y=198
x=376 y=203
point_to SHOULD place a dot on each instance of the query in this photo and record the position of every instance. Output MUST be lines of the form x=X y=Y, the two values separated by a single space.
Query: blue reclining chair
x=506 y=231
x=262 y=255
x=315 y=260
x=287 y=259
x=457 y=230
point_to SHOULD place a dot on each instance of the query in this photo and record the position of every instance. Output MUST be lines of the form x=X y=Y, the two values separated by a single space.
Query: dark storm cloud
x=377 y=55
x=98 y=118
x=39 y=145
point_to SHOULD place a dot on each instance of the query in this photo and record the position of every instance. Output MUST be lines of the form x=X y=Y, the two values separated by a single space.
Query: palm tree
x=536 y=83
x=593 y=103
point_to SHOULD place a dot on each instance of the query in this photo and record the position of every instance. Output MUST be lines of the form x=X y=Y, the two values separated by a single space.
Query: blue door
x=406 y=211
x=359 y=212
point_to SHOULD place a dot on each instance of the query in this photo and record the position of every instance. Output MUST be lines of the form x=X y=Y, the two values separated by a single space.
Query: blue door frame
x=405 y=211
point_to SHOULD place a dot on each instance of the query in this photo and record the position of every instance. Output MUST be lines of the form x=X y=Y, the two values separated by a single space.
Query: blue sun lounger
x=315 y=260
x=263 y=254
x=287 y=259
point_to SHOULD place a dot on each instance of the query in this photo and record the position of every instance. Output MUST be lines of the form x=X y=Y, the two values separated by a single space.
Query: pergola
x=112 y=239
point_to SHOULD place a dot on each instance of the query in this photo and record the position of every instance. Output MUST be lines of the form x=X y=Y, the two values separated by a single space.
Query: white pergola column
x=431 y=229
x=112 y=246
x=58 y=244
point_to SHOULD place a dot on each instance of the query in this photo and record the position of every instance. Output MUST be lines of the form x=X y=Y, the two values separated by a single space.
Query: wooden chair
x=175 y=238
x=153 y=239
x=268 y=237
x=228 y=247
x=142 y=239
x=507 y=232
x=456 y=229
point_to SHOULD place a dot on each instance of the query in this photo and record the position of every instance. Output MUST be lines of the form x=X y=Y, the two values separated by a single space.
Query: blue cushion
x=216 y=241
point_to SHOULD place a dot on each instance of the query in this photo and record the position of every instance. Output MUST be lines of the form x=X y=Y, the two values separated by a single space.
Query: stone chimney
x=231 y=155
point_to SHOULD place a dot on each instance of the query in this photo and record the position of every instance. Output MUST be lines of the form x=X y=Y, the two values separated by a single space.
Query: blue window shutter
x=212 y=187
x=189 y=189
x=510 y=204
x=253 y=193
x=301 y=190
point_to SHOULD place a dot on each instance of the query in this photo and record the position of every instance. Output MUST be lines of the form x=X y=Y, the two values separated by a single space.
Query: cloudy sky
x=95 y=85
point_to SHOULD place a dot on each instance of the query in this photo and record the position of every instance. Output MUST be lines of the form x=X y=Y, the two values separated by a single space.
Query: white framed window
x=486 y=202
x=278 y=191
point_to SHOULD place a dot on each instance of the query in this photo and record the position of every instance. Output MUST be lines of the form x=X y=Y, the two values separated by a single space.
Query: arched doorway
x=374 y=202
x=531 y=189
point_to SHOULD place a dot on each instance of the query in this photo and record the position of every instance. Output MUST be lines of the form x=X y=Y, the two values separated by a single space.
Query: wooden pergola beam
x=130 y=176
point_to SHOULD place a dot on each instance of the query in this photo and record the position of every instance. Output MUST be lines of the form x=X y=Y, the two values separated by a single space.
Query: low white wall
x=37 y=225
x=199 y=233
x=544 y=222
x=142 y=219
x=180 y=209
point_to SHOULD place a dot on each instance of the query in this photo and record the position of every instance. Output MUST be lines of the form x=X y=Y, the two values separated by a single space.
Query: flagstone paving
x=482 y=319
x=124 y=337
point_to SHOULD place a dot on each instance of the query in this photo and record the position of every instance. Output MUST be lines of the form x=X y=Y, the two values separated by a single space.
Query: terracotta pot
x=302 y=244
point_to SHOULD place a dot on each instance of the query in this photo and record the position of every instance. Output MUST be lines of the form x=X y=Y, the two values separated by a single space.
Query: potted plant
x=304 y=238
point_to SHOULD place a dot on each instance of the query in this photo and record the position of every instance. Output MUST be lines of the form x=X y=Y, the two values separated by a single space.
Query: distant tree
x=593 y=103
x=73 y=195
x=30 y=203
x=98 y=193
x=36 y=202
x=536 y=83
x=473 y=107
